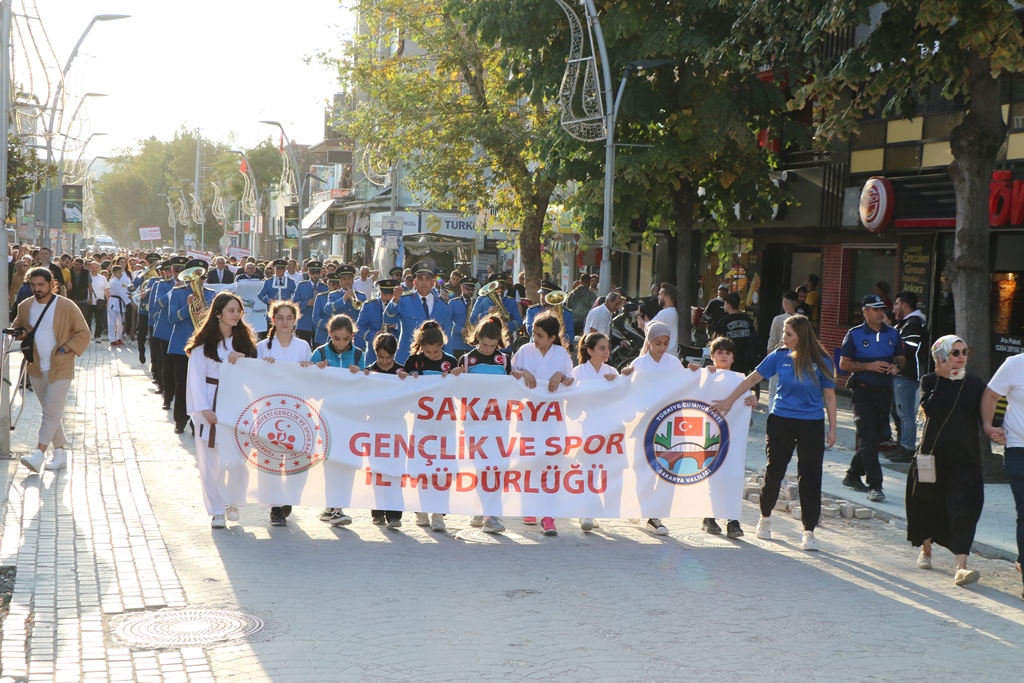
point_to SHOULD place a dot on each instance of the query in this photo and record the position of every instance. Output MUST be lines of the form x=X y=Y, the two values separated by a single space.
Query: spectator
x=883 y=290
x=80 y=288
x=907 y=383
x=715 y=310
x=99 y=299
x=220 y=274
x=364 y=283
x=738 y=326
x=811 y=300
x=45 y=258
x=668 y=295
x=802 y=307
x=249 y=273
x=581 y=300
x=599 y=319
x=789 y=302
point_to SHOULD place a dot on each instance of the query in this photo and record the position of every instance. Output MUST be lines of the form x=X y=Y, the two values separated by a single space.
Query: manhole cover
x=181 y=628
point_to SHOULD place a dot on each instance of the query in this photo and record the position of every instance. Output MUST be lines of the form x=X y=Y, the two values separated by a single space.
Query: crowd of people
x=423 y=320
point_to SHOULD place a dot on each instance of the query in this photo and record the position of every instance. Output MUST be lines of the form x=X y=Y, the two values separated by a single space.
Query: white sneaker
x=59 y=460
x=437 y=522
x=586 y=524
x=35 y=461
x=231 y=513
x=493 y=525
x=966 y=577
x=477 y=520
x=924 y=561
x=764 y=529
x=809 y=542
x=217 y=522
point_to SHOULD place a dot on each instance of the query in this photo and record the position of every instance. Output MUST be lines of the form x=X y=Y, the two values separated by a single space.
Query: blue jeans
x=1014 y=463
x=907 y=395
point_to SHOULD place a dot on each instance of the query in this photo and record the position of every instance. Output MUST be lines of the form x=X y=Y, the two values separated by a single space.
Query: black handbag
x=28 y=343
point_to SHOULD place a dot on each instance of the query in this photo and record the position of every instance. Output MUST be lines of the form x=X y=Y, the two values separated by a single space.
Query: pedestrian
x=811 y=298
x=99 y=300
x=220 y=274
x=873 y=353
x=370 y=322
x=57 y=332
x=737 y=326
x=282 y=345
x=946 y=507
x=1009 y=382
x=118 y=301
x=723 y=355
x=906 y=384
x=17 y=280
x=807 y=381
x=223 y=336
x=668 y=296
x=789 y=302
x=385 y=346
x=599 y=319
x=581 y=300
x=715 y=310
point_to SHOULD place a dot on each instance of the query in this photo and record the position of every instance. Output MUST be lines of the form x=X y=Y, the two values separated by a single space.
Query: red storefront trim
x=925 y=223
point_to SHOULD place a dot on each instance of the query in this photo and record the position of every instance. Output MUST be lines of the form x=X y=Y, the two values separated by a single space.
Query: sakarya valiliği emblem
x=686 y=442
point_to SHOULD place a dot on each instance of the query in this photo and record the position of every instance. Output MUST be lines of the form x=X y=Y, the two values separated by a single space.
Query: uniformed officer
x=160 y=299
x=410 y=311
x=142 y=326
x=483 y=306
x=181 y=331
x=149 y=294
x=533 y=311
x=305 y=297
x=344 y=303
x=873 y=353
x=322 y=307
x=461 y=306
x=277 y=288
x=371 y=319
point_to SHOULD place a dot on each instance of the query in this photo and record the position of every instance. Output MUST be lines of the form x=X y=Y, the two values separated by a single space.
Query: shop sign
x=1005 y=200
x=876 y=204
x=916 y=260
x=1009 y=345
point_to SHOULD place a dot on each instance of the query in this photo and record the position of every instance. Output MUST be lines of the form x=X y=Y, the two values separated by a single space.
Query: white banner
x=149 y=234
x=255 y=310
x=645 y=446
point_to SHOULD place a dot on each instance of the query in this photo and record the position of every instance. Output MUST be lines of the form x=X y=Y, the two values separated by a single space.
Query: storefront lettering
x=1005 y=200
x=916 y=267
x=1009 y=345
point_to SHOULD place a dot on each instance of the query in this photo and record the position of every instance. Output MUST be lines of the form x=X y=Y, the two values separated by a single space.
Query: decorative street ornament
x=581 y=106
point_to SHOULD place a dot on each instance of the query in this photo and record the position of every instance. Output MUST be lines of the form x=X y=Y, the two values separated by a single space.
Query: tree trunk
x=529 y=245
x=975 y=144
x=684 y=258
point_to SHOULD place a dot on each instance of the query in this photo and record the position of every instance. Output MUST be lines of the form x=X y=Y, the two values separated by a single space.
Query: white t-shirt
x=99 y=287
x=543 y=366
x=363 y=286
x=585 y=371
x=599 y=318
x=45 y=338
x=1009 y=382
x=646 y=363
x=295 y=277
x=297 y=350
x=670 y=317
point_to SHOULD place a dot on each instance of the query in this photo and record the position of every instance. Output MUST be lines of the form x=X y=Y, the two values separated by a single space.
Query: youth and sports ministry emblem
x=282 y=434
x=686 y=442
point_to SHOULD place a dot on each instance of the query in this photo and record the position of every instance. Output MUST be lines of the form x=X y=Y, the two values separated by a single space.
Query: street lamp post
x=74 y=116
x=60 y=174
x=302 y=210
x=53 y=109
x=295 y=167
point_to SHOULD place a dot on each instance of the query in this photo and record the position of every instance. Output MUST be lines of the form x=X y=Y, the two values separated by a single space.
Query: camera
x=631 y=305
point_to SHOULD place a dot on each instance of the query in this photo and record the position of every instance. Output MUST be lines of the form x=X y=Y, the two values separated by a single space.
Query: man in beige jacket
x=61 y=334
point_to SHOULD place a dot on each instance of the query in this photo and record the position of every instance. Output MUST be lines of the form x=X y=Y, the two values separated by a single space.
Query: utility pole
x=199 y=199
x=5 y=108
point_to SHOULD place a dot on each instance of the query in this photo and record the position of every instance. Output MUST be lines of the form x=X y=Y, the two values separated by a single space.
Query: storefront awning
x=315 y=213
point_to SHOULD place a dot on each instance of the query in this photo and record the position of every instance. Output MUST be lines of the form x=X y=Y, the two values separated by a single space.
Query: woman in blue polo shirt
x=807 y=388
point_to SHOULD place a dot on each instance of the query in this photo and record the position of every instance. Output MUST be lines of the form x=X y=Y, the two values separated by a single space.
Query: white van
x=104 y=243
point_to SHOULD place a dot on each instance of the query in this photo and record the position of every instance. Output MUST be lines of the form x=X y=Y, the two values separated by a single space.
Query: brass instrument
x=147 y=278
x=490 y=290
x=555 y=300
x=193 y=277
x=357 y=304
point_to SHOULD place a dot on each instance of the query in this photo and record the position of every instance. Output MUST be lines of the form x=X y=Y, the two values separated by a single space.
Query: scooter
x=623 y=329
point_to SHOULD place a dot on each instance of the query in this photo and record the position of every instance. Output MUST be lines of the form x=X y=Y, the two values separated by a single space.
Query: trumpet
x=490 y=290
x=555 y=300
x=357 y=304
x=193 y=277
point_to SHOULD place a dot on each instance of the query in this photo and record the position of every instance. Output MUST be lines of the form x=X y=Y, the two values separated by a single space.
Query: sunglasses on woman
x=956 y=353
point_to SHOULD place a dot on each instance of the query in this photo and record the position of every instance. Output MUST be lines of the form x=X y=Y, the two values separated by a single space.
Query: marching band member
x=461 y=306
x=322 y=308
x=224 y=336
x=370 y=322
x=282 y=345
x=305 y=297
x=533 y=311
x=160 y=300
x=483 y=307
x=339 y=352
x=344 y=302
x=384 y=348
x=181 y=331
x=409 y=312
x=544 y=360
x=277 y=288
x=142 y=328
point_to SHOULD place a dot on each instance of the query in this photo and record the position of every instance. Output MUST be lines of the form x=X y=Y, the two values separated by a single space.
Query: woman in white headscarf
x=947 y=511
x=655 y=354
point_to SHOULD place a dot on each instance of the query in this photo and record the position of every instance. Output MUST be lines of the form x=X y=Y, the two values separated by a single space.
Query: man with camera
x=53 y=331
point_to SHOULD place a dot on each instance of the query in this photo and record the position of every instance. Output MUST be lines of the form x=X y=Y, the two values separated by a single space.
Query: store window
x=868 y=267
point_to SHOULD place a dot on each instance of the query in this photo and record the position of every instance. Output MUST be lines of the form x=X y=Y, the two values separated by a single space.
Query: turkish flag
x=688 y=426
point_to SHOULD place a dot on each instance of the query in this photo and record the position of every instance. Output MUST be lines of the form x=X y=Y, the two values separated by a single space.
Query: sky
x=219 y=65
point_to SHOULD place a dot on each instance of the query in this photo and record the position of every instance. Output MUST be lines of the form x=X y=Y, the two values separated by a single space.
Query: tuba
x=193 y=277
x=490 y=290
x=555 y=300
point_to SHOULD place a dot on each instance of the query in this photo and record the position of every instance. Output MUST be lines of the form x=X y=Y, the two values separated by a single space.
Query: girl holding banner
x=594 y=354
x=224 y=336
x=385 y=346
x=544 y=360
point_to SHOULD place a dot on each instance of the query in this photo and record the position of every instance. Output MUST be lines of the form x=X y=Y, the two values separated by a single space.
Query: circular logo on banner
x=282 y=434
x=876 y=204
x=686 y=442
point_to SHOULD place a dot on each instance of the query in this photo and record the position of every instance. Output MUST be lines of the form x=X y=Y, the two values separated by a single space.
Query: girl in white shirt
x=224 y=336
x=544 y=360
x=282 y=345
x=594 y=353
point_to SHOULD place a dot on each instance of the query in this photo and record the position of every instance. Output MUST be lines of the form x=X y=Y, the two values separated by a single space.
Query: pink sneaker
x=548 y=525
x=529 y=520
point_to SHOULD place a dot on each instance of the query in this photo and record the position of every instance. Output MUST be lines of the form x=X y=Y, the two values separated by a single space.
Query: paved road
x=123 y=534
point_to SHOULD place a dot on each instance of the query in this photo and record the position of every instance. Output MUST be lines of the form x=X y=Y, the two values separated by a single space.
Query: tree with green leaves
x=912 y=48
x=25 y=175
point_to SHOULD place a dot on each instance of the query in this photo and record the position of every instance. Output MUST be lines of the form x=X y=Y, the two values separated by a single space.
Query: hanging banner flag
x=149 y=234
x=291 y=226
x=644 y=446
x=254 y=310
x=72 y=208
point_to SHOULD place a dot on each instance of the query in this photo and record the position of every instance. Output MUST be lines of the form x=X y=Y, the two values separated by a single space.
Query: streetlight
x=94 y=160
x=302 y=197
x=74 y=116
x=295 y=167
x=53 y=110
